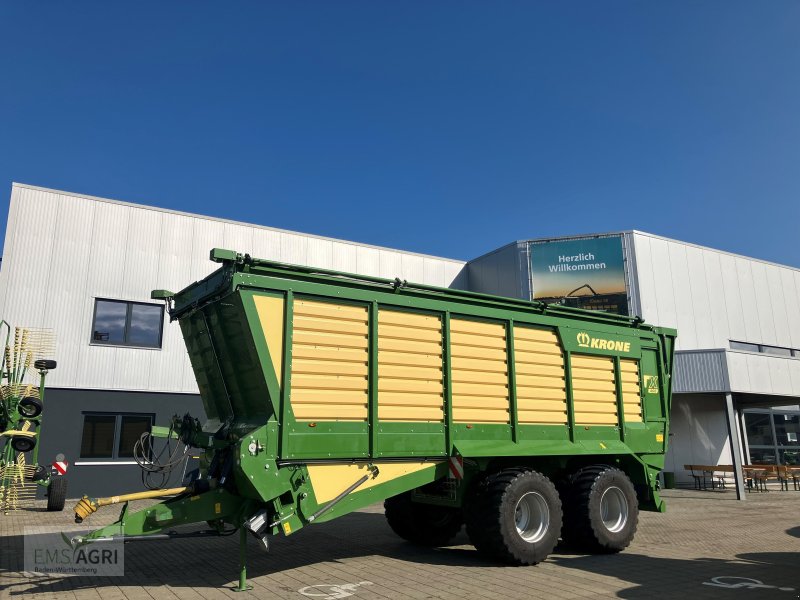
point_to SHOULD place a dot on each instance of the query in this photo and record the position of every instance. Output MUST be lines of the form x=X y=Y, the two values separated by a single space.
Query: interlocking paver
x=703 y=535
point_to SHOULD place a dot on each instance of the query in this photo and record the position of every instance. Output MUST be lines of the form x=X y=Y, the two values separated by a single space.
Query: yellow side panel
x=631 y=394
x=410 y=380
x=329 y=361
x=539 y=368
x=479 y=371
x=531 y=360
x=594 y=390
x=270 y=315
x=328 y=481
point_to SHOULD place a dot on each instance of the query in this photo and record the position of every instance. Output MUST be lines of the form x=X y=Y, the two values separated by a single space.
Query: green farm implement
x=21 y=408
x=326 y=392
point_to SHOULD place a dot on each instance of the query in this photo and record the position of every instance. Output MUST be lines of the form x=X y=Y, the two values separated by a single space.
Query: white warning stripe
x=456 y=467
x=61 y=466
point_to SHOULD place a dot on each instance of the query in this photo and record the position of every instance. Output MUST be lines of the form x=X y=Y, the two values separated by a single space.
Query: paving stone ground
x=703 y=535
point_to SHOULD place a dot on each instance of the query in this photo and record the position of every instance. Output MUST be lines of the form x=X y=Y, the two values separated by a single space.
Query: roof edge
x=16 y=184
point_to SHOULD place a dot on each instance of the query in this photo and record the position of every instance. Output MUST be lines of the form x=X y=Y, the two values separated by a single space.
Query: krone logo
x=586 y=341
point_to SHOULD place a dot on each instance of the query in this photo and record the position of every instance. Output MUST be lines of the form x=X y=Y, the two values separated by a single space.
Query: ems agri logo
x=651 y=383
x=586 y=341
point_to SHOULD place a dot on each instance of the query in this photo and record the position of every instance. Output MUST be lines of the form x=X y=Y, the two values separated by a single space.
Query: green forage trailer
x=326 y=392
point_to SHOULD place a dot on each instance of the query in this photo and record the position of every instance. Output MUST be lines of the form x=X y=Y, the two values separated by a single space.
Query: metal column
x=736 y=446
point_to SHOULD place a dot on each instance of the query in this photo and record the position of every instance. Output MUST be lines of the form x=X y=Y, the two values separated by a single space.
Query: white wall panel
x=664 y=287
x=141 y=255
x=368 y=261
x=701 y=301
x=434 y=272
x=64 y=250
x=33 y=245
x=698 y=435
x=175 y=253
x=413 y=268
x=267 y=245
x=717 y=308
x=207 y=235
x=758 y=372
x=790 y=282
x=391 y=264
x=238 y=238
x=682 y=293
x=794 y=376
x=320 y=253
x=66 y=288
x=747 y=292
x=766 y=320
x=733 y=299
x=780 y=380
x=344 y=257
x=778 y=306
x=294 y=249
x=7 y=269
x=647 y=279
x=738 y=373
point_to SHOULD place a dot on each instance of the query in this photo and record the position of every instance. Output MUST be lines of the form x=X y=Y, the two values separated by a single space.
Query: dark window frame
x=129 y=304
x=775 y=448
x=765 y=349
x=117 y=436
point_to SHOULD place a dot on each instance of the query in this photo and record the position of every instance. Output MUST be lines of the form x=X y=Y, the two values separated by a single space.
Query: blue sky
x=447 y=128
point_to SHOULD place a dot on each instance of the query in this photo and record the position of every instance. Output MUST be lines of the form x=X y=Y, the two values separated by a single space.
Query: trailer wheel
x=601 y=510
x=56 y=494
x=422 y=524
x=23 y=444
x=30 y=407
x=514 y=516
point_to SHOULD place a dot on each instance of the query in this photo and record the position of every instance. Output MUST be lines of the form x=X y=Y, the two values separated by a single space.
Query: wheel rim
x=532 y=517
x=614 y=509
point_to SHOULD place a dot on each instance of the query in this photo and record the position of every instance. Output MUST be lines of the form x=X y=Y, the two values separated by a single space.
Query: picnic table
x=756 y=476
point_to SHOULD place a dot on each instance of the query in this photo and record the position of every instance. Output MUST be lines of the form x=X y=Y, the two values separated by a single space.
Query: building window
x=744 y=346
x=773 y=437
x=120 y=323
x=764 y=349
x=112 y=435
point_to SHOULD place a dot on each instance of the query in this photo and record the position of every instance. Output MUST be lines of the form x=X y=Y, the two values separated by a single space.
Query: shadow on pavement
x=794 y=531
x=213 y=563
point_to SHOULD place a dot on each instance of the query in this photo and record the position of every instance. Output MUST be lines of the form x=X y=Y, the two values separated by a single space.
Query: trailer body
x=326 y=392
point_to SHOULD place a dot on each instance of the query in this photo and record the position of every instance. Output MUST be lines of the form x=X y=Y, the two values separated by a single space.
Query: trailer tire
x=30 y=407
x=422 y=524
x=514 y=516
x=56 y=494
x=23 y=444
x=601 y=510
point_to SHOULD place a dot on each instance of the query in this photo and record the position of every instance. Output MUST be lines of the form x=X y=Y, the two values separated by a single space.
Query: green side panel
x=230 y=372
x=410 y=439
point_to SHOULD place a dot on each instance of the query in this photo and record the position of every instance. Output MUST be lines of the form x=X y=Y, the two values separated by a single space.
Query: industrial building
x=84 y=267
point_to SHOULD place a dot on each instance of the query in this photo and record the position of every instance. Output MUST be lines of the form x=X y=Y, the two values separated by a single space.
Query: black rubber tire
x=491 y=516
x=422 y=524
x=56 y=494
x=584 y=528
x=23 y=444
x=30 y=407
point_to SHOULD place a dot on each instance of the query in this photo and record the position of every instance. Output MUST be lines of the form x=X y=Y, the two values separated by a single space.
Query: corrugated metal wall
x=713 y=297
x=64 y=250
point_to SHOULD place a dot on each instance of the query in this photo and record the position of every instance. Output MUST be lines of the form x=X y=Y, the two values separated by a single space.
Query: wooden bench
x=717 y=475
x=755 y=476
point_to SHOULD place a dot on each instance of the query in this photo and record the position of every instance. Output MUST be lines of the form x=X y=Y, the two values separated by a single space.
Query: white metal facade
x=713 y=297
x=63 y=250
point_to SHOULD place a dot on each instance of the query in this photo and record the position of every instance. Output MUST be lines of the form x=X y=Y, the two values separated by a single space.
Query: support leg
x=243 y=587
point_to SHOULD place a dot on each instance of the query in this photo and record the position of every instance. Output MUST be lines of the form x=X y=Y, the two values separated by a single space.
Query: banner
x=587 y=273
